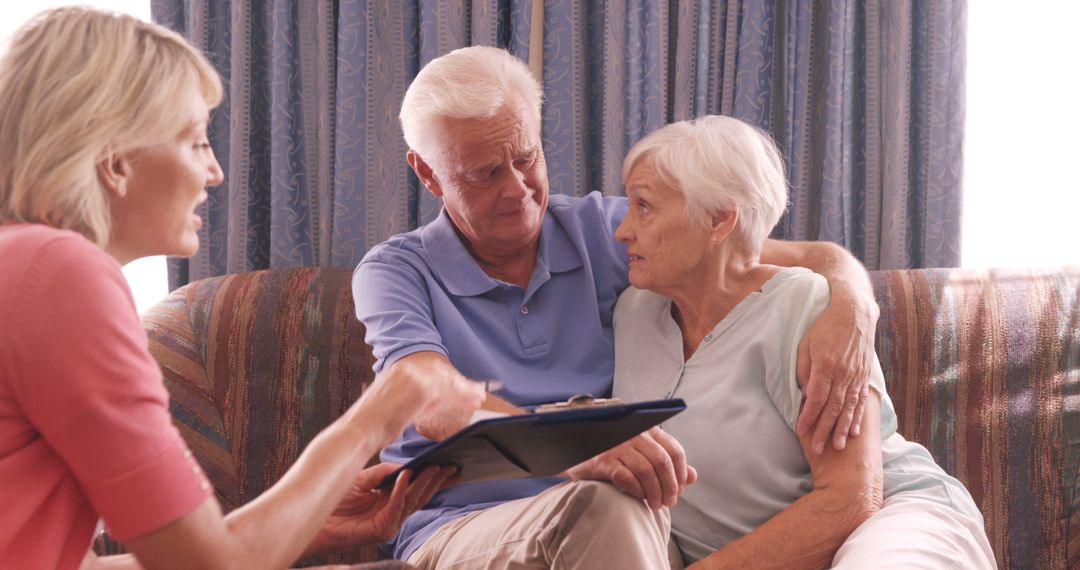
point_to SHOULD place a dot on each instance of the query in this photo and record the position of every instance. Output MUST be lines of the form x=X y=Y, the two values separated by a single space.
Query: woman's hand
x=368 y=515
x=415 y=387
x=651 y=467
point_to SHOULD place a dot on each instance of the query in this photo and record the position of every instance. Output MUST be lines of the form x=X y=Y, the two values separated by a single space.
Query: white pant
x=583 y=524
x=913 y=533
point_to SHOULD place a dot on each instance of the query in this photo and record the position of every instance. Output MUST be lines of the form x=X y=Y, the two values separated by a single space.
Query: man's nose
x=514 y=185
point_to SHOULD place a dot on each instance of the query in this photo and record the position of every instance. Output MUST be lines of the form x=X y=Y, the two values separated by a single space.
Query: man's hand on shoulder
x=833 y=369
x=651 y=467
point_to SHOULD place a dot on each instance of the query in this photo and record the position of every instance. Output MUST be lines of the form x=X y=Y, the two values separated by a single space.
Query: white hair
x=719 y=164
x=467 y=83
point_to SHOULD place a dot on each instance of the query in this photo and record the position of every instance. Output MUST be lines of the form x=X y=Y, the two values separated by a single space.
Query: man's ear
x=423 y=172
x=113 y=171
x=722 y=223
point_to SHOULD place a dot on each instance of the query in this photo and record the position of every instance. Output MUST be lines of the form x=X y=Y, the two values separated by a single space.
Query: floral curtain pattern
x=865 y=100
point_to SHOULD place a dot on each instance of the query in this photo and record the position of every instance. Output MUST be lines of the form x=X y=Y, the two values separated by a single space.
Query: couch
x=983 y=367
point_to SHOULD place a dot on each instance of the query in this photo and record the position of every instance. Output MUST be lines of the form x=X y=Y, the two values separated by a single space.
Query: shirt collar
x=461 y=273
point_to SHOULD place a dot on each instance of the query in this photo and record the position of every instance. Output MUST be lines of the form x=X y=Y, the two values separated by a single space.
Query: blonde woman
x=706 y=321
x=103 y=159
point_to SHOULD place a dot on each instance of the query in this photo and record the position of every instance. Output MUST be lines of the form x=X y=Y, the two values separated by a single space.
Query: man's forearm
x=848 y=281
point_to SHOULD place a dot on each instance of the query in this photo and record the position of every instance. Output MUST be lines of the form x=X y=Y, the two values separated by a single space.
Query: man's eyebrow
x=527 y=152
x=479 y=166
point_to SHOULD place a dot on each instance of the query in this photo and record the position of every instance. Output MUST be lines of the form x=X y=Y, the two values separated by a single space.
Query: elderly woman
x=104 y=159
x=705 y=321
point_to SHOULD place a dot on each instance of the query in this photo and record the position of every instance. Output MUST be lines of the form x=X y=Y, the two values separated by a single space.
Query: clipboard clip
x=576 y=402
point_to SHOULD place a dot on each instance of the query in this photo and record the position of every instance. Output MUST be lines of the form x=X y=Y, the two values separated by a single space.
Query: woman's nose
x=623 y=233
x=215 y=175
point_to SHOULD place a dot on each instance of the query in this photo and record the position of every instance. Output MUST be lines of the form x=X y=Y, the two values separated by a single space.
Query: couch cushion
x=984 y=370
x=983 y=367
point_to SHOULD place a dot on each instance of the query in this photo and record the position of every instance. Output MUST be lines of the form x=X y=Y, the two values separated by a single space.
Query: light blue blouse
x=739 y=428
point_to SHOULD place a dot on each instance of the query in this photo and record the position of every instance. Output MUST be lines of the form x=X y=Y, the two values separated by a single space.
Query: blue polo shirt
x=423 y=291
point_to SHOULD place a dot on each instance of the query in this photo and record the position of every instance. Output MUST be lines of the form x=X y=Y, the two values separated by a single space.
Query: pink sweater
x=85 y=431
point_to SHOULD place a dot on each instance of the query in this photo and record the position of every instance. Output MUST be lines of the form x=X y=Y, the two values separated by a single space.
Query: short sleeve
x=799 y=302
x=393 y=302
x=87 y=382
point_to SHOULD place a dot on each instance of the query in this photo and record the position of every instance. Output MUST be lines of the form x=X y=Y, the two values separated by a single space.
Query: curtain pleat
x=865 y=100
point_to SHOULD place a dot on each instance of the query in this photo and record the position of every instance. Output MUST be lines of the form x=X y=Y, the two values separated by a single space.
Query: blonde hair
x=719 y=164
x=468 y=83
x=78 y=85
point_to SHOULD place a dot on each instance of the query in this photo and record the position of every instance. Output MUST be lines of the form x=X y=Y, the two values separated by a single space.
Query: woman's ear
x=722 y=223
x=423 y=172
x=113 y=171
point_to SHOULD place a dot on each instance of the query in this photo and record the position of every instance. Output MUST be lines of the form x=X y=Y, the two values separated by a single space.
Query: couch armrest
x=257 y=364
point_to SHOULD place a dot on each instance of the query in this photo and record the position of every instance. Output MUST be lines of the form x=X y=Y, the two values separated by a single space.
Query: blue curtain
x=865 y=99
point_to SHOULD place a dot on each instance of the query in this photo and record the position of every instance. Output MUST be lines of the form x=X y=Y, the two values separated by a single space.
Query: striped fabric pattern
x=983 y=367
x=256 y=365
x=984 y=370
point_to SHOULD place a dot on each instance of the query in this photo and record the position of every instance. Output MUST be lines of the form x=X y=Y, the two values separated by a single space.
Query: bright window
x=147 y=277
x=1021 y=195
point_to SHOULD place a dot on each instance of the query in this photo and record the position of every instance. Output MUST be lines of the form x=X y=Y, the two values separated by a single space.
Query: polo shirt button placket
x=524 y=310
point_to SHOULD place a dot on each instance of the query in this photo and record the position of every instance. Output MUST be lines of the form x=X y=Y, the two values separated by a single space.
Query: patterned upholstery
x=984 y=369
x=256 y=365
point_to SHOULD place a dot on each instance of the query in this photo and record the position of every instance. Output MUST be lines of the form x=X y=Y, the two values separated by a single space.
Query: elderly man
x=512 y=284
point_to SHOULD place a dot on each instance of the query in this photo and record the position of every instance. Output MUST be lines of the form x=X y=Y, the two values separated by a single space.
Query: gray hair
x=719 y=164
x=467 y=83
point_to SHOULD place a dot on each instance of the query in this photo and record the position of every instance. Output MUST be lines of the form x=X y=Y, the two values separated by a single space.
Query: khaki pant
x=583 y=524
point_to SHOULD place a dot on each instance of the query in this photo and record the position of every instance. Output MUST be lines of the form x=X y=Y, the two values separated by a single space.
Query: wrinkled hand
x=651 y=467
x=833 y=369
x=368 y=515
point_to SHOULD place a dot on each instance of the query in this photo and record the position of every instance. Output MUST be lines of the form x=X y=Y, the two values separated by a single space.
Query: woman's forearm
x=805 y=535
x=847 y=489
x=116 y=562
x=273 y=530
x=278 y=526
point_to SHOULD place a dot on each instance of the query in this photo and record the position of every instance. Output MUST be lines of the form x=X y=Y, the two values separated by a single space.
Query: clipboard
x=541 y=443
